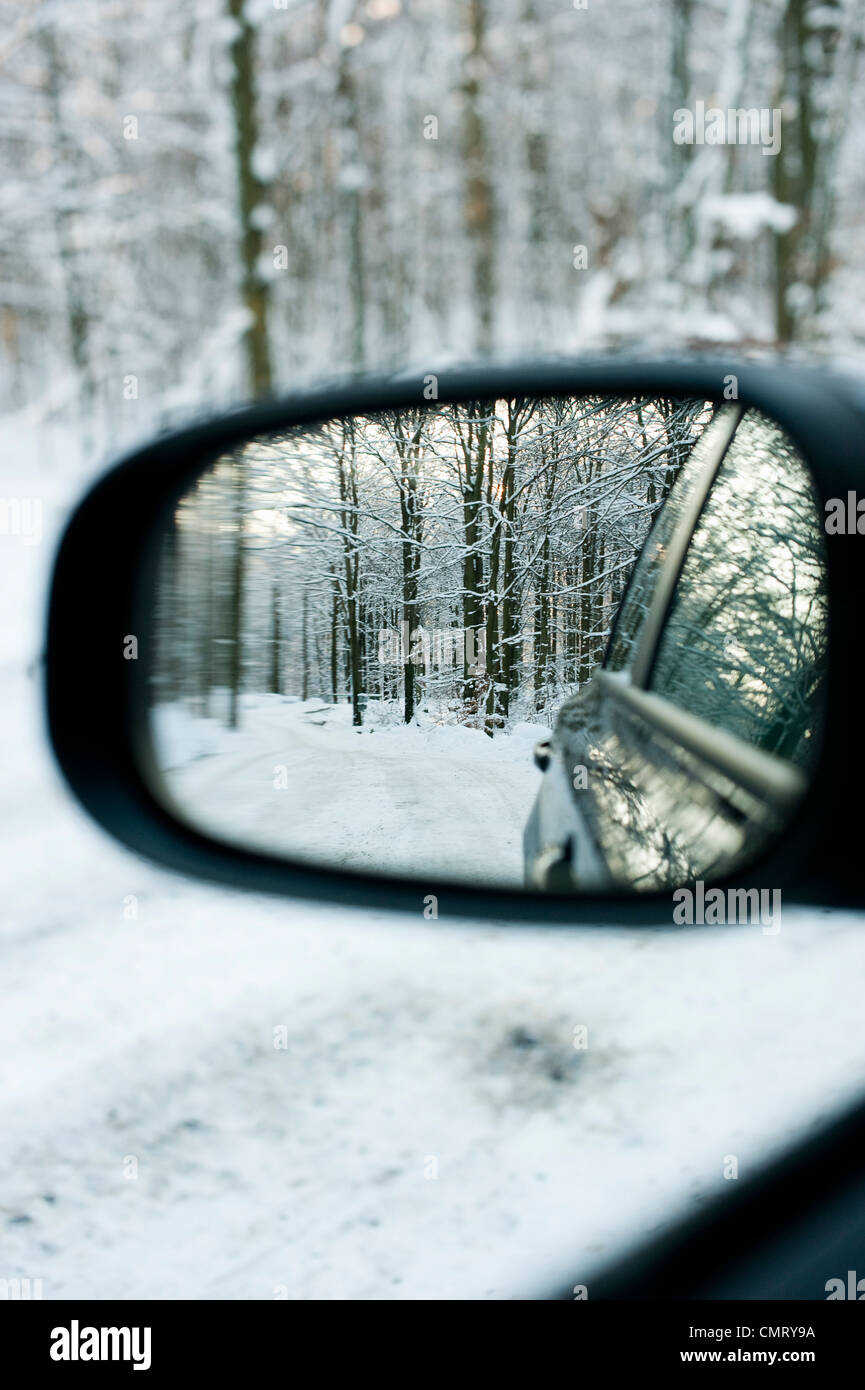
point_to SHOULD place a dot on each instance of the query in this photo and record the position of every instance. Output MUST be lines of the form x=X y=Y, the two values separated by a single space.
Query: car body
x=694 y=742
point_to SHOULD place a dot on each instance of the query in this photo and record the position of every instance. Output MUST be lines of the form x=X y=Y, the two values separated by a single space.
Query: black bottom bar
x=159 y=1340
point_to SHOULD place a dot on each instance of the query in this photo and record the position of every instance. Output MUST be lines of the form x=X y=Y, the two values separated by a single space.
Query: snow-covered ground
x=430 y=798
x=211 y=1094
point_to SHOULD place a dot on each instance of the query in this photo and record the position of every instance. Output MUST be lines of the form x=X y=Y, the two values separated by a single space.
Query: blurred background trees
x=215 y=199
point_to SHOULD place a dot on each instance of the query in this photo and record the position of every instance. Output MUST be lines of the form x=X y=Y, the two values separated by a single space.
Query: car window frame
x=778 y=780
x=639 y=665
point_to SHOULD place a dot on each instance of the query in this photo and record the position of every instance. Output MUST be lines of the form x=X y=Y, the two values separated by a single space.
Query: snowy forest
x=465 y=561
x=208 y=201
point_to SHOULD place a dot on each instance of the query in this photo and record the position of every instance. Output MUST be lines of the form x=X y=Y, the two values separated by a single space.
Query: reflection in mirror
x=742 y=652
x=377 y=639
x=751 y=608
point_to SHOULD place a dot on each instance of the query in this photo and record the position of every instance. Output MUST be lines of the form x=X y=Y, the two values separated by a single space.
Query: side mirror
x=557 y=644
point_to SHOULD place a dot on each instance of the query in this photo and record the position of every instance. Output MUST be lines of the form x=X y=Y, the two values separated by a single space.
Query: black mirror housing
x=94 y=675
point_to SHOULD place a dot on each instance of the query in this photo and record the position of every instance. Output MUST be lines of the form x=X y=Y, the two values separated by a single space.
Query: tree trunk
x=251 y=194
x=474 y=448
x=802 y=166
x=334 y=633
x=479 y=198
x=506 y=666
x=350 y=521
x=682 y=222
x=235 y=672
x=275 y=645
x=74 y=280
x=304 y=646
x=350 y=204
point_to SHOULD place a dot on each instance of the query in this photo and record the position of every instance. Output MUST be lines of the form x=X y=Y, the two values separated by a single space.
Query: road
x=419 y=801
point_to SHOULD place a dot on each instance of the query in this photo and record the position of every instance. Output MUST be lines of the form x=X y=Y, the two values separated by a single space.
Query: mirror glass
x=561 y=643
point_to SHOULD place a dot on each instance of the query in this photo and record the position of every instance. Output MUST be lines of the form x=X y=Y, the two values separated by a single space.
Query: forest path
x=408 y=800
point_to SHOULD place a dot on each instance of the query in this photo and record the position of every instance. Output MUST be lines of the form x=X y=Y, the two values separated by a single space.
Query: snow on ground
x=296 y=778
x=156 y=1143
